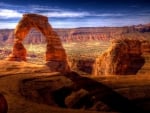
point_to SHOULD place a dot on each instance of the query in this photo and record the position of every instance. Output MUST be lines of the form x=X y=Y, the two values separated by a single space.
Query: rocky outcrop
x=74 y=91
x=3 y=104
x=47 y=91
x=124 y=57
x=83 y=65
x=77 y=99
x=54 y=49
x=71 y=90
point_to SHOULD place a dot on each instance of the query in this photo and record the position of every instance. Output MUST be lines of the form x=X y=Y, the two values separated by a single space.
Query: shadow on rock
x=74 y=91
x=3 y=104
x=101 y=92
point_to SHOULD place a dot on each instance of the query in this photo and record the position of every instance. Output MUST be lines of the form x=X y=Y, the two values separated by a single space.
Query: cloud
x=8 y=13
x=43 y=8
x=70 y=18
x=7 y=25
x=80 y=14
x=99 y=22
x=11 y=11
x=65 y=14
x=56 y=12
x=108 y=14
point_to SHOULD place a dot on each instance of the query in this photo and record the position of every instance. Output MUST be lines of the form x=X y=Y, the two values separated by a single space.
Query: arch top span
x=35 y=16
x=54 y=49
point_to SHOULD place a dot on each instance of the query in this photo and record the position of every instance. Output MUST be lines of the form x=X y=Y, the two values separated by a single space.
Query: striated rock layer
x=124 y=57
x=82 y=34
x=54 y=49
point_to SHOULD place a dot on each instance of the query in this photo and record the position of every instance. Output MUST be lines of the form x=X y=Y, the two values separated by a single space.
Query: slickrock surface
x=13 y=73
x=124 y=57
x=31 y=88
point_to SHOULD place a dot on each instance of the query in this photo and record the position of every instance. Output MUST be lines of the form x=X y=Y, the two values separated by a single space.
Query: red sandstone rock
x=74 y=99
x=18 y=53
x=124 y=57
x=54 y=51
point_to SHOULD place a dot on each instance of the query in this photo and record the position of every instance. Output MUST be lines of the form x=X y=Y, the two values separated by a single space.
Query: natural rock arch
x=54 y=50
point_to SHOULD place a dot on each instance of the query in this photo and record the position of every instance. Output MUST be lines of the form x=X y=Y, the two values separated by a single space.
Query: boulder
x=77 y=99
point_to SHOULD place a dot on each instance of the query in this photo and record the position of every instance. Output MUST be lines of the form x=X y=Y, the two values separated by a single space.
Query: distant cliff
x=4 y=35
x=82 y=34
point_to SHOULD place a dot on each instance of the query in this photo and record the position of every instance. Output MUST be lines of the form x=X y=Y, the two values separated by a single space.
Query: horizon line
x=89 y=26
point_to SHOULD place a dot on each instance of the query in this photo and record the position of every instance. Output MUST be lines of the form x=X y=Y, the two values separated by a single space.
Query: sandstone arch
x=54 y=49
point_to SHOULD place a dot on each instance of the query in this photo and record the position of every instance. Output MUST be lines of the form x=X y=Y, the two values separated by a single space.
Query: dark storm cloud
x=77 y=13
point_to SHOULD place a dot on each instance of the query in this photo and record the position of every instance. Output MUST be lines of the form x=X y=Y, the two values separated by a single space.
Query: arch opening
x=35 y=44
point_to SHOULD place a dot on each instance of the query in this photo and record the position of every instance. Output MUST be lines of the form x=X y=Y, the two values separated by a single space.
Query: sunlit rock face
x=19 y=52
x=3 y=104
x=54 y=49
x=124 y=57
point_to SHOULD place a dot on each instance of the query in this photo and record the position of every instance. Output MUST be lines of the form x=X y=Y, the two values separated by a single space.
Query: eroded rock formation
x=54 y=50
x=124 y=57
x=84 y=65
x=74 y=91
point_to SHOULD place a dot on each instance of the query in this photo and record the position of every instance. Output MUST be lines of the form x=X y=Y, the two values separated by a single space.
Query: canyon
x=80 y=34
x=58 y=85
x=80 y=37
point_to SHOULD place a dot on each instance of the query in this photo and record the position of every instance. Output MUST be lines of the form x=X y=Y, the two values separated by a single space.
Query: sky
x=77 y=13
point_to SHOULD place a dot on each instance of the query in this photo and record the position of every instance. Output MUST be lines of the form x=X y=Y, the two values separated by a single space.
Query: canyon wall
x=79 y=34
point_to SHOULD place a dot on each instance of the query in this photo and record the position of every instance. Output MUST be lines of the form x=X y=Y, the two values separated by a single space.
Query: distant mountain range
x=81 y=34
